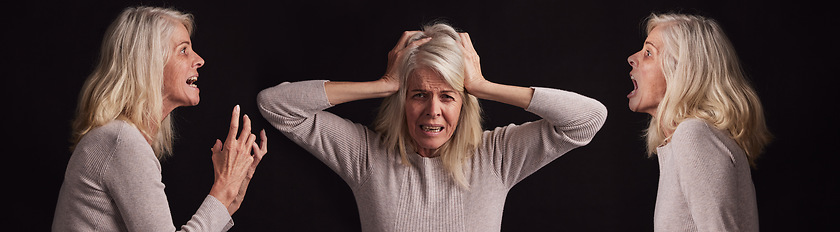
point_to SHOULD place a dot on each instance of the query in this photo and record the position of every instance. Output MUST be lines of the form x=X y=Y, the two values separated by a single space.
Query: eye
x=183 y=50
x=447 y=97
x=647 y=53
x=418 y=95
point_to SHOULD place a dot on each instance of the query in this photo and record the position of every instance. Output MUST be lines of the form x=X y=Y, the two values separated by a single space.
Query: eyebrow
x=424 y=90
x=651 y=44
x=183 y=42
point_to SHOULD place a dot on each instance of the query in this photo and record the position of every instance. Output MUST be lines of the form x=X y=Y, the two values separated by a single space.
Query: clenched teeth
x=431 y=128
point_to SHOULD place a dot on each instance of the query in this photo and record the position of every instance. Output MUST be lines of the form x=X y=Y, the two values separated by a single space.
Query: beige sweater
x=113 y=183
x=704 y=182
x=422 y=196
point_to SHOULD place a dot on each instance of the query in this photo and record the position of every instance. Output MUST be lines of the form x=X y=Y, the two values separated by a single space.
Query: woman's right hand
x=232 y=161
x=397 y=54
x=340 y=92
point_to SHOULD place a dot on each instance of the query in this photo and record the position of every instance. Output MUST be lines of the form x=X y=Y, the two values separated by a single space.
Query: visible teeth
x=432 y=128
x=191 y=81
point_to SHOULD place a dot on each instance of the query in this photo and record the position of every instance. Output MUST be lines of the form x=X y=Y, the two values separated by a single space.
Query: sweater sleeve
x=297 y=110
x=707 y=175
x=132 y=176
x=569 y=120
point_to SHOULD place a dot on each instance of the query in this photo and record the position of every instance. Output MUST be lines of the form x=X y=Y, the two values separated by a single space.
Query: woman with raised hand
x=123 y=129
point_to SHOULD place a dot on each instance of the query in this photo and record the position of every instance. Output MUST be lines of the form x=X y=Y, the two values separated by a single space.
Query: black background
x=787 y=49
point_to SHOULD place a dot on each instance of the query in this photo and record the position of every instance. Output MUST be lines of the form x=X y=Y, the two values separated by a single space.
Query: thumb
x=217 y=147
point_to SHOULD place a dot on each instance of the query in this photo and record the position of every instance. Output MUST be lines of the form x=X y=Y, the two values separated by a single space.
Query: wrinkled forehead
x=427 y=79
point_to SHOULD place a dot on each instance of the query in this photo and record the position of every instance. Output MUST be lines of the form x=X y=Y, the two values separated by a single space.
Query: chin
x=195 y=98
x=430 y=145
x=633 y=105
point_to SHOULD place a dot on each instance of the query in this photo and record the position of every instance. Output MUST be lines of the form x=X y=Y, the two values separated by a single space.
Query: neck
x=153 y=129
x=167 y=109
x=428 y=153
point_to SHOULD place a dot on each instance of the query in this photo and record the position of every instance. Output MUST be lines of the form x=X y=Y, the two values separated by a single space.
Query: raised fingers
x=263 y=142
x=261 y=149
x=246 y=128
x=234 y=124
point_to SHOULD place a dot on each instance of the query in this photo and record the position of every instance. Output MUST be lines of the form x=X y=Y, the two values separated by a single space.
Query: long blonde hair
x=441 y=53
x=704 y=80
x=127 y=83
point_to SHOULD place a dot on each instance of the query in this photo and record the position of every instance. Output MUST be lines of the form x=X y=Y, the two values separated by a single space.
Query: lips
x=635 y=87
x=191 y=81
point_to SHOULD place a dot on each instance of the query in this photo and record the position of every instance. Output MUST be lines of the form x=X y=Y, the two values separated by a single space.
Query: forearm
x=508 y=94
x=340 y=92
x=210 y=216
x=223 y=194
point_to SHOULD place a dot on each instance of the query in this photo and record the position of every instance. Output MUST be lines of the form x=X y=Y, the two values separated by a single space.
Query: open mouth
x=635 y=86
x=431 y=128
x=191 y=82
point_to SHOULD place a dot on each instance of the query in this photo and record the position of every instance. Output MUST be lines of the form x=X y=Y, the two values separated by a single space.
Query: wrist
x=386 y=86
x=479 y=88
x=223 y=195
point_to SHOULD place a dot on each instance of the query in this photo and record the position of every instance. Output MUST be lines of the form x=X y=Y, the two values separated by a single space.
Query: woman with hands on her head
x=427 y=165
x=147 y=68
x=707 y=125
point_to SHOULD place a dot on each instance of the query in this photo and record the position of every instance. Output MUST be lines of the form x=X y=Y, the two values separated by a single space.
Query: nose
x=199 y=62
x=632 y=60
x=433 y=108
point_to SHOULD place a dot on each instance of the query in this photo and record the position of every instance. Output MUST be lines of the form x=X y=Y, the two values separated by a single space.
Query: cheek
x=657 y=87
x=168 y=85
x=453 y=116
x=169 y=76
x=412 y=112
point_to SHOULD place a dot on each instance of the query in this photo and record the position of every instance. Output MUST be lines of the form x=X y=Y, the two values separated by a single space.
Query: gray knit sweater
x=113 y=183
x=704 y=182
x=422 y=196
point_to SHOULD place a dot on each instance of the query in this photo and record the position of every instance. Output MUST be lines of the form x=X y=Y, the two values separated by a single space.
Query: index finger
x=466 y=41
x=404 y=38
x=246 y=128
x=234 y=124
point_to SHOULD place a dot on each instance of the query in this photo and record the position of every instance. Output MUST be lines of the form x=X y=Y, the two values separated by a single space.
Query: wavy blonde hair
x=443 y=54
x=127 y=83
x=704 y=80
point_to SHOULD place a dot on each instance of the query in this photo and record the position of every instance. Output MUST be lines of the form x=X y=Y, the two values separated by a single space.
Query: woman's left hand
x=472 y=64
x=478 y=86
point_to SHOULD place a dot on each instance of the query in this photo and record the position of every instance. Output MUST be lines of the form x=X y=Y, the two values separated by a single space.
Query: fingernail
x=236 y=108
